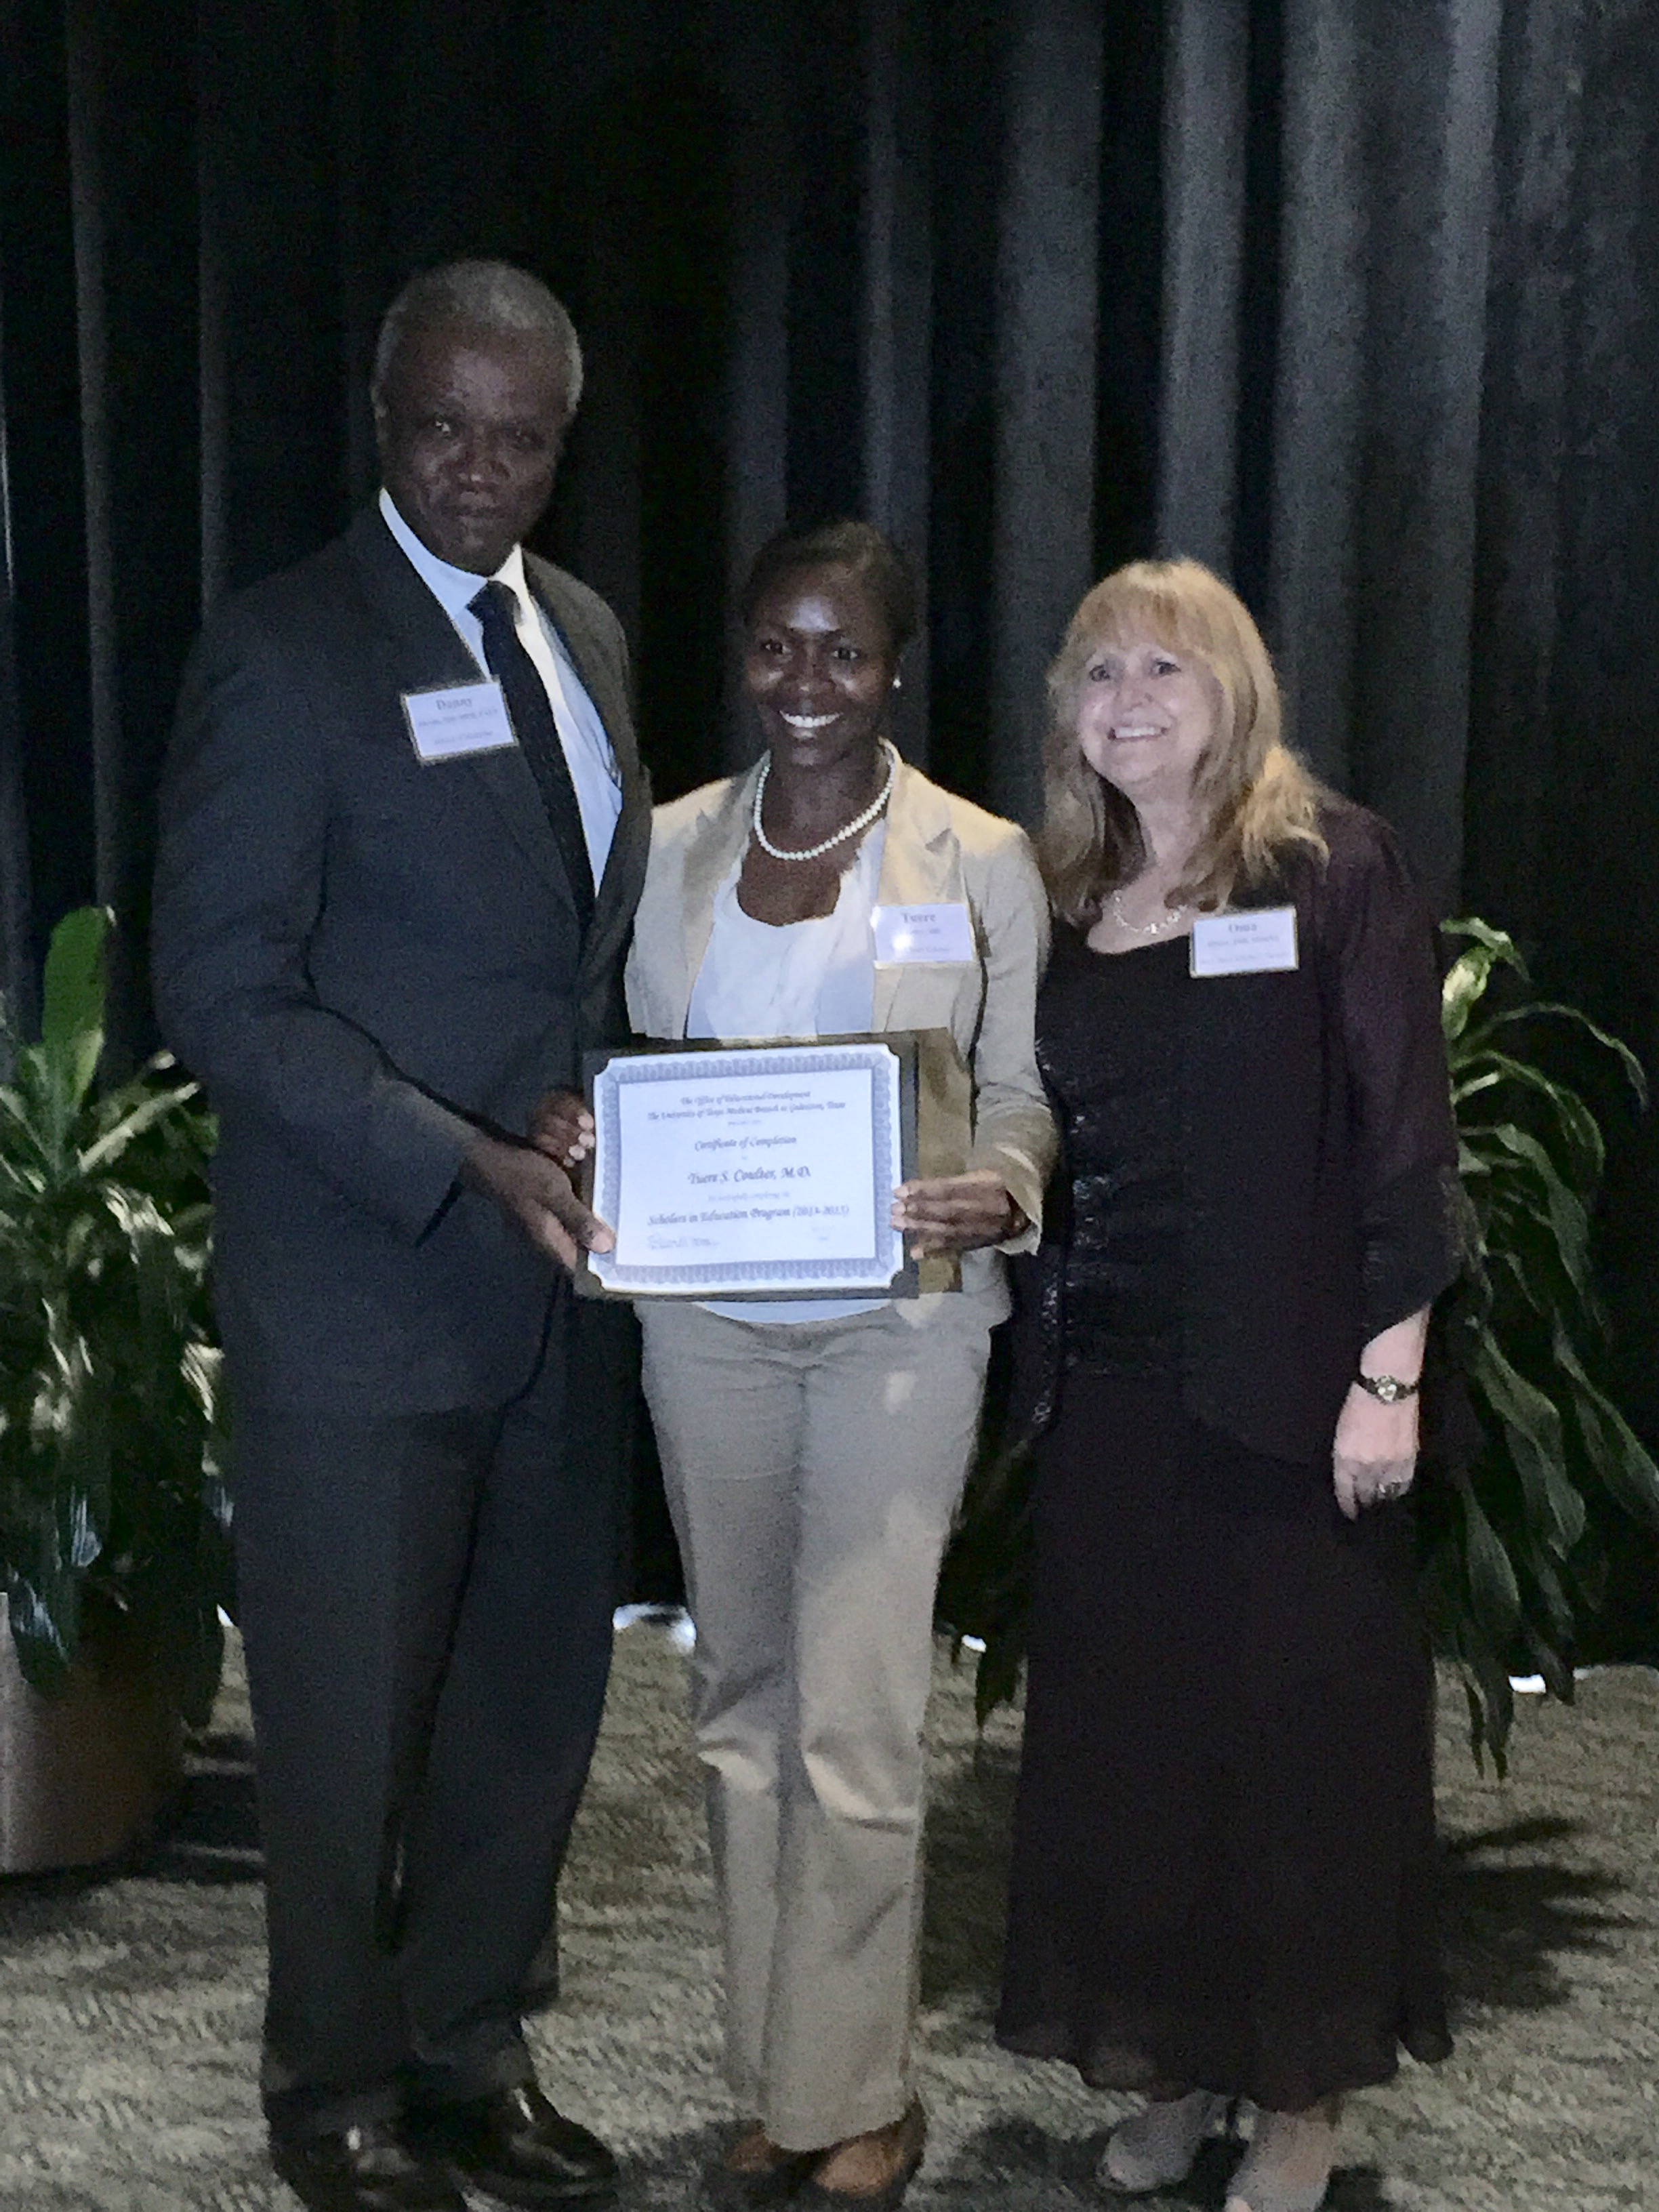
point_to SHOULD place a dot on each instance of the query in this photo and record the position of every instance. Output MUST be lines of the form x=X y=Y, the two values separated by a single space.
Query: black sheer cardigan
x=1319 y=1159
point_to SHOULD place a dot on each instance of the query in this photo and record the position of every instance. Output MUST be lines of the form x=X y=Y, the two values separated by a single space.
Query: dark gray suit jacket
x=362 y=957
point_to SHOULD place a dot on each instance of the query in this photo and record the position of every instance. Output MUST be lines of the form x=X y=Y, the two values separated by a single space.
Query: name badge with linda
x=458 y=721
x=1260 y=941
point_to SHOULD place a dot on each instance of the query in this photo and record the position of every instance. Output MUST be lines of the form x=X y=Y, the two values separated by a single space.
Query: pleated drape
x=1358 y=301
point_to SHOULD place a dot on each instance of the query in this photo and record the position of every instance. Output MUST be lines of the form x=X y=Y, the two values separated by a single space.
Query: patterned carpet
x=129 y=2006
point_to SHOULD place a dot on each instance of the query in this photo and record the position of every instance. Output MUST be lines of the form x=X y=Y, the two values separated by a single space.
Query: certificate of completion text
x=762 y=1169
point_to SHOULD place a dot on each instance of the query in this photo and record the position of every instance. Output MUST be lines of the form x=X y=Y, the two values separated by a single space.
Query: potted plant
x=1510 y=1562
x=114 y=1557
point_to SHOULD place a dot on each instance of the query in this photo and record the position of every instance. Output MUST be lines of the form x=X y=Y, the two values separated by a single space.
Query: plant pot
x=84 y=1772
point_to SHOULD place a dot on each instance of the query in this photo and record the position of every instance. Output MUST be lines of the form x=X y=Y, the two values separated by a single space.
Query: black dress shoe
x=513 y=2145
x=366 y=2168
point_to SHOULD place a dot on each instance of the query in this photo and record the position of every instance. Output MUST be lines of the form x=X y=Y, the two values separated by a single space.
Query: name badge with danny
x=1260 y=941
x=458 y=721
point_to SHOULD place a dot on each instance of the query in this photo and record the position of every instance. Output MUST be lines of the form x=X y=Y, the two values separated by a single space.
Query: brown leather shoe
x=906 y=2140
x=754 y=2173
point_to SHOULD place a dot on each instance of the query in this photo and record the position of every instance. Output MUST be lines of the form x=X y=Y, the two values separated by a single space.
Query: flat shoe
x=734 y=2189
x=912 y=2142
x=1156 y=2148
x=1273 y=2196
x=1258 y=2189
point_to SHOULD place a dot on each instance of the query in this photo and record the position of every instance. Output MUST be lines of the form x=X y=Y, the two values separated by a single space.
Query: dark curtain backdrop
x=1358 y=299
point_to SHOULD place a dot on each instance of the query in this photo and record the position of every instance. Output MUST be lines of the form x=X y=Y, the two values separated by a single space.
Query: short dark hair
x=492 y=297
x=859 y=546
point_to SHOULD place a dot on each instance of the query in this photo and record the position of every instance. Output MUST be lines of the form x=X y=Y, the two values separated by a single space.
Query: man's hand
x=535 y=1192
x=562 y=1127
x=1375 y=1454
x=956 y=1213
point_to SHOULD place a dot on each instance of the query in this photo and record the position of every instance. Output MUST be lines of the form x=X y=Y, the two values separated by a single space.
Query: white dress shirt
x=587 y=750
x=797 y=979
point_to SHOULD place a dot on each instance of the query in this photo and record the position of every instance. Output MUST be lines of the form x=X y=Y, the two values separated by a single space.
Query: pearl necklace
x=1143 y=928
x=859 y=822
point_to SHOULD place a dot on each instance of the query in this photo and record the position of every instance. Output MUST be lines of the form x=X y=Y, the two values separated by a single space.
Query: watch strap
x=1388 y=1388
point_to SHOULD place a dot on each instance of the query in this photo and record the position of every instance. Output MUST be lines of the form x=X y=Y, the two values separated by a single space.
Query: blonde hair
x=1254 y=796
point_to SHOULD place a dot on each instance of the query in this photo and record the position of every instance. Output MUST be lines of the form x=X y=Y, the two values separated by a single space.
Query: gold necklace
x=1143 y=928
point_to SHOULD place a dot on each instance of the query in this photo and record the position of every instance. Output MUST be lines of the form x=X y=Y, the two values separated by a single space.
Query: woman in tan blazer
x=814 y=1455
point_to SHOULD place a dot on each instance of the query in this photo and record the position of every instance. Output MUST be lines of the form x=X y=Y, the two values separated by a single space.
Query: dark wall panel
x=44 y=482
x=1561 y=800
x=140 y=469
x=970 y=54
x=667 y=179
x=270 y=179
x=825 y=427
x=188 y=301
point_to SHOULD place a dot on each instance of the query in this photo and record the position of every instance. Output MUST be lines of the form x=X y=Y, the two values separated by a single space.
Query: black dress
x=1224 y=1848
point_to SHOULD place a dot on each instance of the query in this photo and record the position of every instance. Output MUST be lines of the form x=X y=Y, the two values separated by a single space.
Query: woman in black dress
x=1224 y=1848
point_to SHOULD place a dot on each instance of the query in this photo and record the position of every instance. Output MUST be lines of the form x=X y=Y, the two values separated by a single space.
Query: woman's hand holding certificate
x=956 y=1213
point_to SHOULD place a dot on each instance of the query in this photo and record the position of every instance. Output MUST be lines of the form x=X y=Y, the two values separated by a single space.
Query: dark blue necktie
x=537 y=733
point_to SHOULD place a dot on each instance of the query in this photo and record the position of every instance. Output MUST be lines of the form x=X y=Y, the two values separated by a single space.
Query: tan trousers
x=811 y=1470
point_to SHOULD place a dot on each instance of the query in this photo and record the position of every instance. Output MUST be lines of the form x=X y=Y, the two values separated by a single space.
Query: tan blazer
x=939 y=848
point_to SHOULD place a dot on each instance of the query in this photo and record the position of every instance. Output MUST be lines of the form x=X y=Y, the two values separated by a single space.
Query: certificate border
x=775 y=1280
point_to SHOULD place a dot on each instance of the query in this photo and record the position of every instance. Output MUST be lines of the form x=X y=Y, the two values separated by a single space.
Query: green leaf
x=1492 y=1583
x=1577 y=1125
x=1497 y=942
x=1460 y=992
x=1556 y=1670
x=151 y=1107
x=1470 y=972
x=1558 y=1608
x=1615 y=1451
x=1532 y=1428
x=1561 y=1206
x=72 y=1005
x=43 y=1634
x=111 y=1440
x=1552 y=1009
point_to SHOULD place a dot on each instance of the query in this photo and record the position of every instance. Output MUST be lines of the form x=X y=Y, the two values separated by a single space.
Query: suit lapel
x=714 y=844
x=428 y=653
x=599 y=676
x=602 y=677
x=920 y=867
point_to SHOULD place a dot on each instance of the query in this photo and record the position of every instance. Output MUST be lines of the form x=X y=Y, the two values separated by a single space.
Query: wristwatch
x=1388 y=1388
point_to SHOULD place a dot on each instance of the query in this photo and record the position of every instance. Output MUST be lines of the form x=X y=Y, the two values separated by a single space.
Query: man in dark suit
x=403 y=831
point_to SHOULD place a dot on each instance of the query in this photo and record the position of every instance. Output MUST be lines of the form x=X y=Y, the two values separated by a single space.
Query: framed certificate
x=757 y=1171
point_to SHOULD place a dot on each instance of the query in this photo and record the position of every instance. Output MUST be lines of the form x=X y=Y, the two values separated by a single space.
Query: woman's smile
x=1147 y=714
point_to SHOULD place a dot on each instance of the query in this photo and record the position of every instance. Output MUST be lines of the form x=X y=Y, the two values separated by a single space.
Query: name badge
x=467 y=718
x=1258 y=942
x=908 y=935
